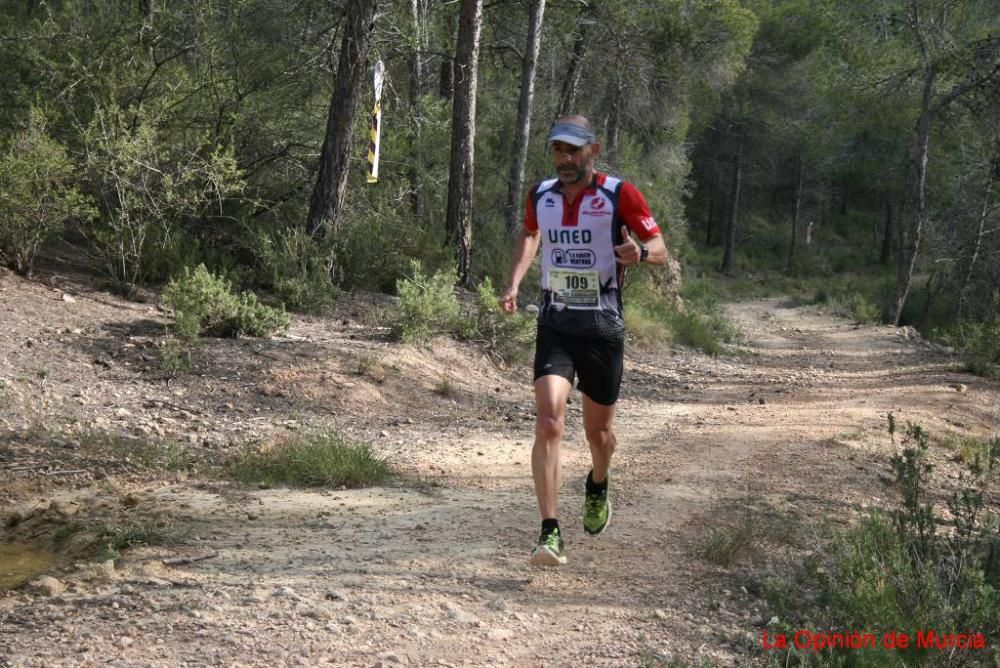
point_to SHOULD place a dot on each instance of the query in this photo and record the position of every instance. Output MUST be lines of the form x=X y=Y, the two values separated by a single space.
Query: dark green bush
x=979 y=342
x=505 y=337
x=312 y=460
x=428 y=306
x=204 y=304
x=39 y=195
x=297 y=269
x=899 y=571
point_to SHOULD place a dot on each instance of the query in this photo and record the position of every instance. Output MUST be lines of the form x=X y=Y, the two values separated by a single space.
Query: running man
x=582 y=220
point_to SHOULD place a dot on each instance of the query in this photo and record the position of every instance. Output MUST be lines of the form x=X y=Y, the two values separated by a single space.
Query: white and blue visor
x=572 y=134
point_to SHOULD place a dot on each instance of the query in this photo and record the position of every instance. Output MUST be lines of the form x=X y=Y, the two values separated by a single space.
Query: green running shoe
x=550 y=550
x=596 y=512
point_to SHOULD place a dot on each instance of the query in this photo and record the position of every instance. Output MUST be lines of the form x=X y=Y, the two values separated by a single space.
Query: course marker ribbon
x=375 y=131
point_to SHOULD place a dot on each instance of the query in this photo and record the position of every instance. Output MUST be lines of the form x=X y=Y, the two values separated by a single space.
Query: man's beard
x=571 y=175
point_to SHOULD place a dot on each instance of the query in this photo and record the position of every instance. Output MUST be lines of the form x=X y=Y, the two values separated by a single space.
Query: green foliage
x=370 y=366
x=204 y=304
x=725 y=546
x=914 y=522
x=150 y=190
x=175 y=357
x=297 y=268
x=899 y=572
x=107 y=540
x=326 y=459
x=852 y=305
x=39 y=195
x=428 y=306
x=136 y=532
x=655 y=318
x=979 y=342
x=505 y=338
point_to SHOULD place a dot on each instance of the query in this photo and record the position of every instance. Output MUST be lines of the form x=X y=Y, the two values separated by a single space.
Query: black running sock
x=593 y=487
x=549 y=524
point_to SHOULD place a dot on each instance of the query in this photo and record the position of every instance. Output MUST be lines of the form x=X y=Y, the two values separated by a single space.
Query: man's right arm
x=524 y=254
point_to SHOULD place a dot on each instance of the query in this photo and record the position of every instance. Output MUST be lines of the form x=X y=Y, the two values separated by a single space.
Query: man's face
x=573 y=163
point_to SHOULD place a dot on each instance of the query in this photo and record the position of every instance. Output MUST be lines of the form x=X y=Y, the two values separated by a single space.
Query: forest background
x=840 y=152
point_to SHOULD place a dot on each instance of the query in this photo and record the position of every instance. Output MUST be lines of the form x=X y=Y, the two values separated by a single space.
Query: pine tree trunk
x=887 y=231
x=976 y=247
x=568 y=96
x=616 y=93
x=917 y=202
x=460 y=177
x=734 y=209
x=331 y=182
x=712 y=189
x=516 y=179
x=800 y=179
x=418 y=14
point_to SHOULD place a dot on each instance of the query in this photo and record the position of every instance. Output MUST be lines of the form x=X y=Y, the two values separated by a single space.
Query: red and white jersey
x=581 y=278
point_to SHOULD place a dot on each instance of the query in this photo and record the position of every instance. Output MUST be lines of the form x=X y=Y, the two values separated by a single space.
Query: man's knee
x=600 y=436
x=549 y=427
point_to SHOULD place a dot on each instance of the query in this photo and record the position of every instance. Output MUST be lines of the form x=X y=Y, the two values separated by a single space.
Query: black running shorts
x=598 y=362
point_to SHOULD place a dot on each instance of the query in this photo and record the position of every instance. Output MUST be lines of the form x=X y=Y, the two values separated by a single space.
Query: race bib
x=575 y=289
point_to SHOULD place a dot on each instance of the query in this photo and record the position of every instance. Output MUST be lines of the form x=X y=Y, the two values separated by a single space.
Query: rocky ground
x=432 y=569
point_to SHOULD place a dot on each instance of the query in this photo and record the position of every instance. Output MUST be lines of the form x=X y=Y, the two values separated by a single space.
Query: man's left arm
x=638 y=219
x=657 y=250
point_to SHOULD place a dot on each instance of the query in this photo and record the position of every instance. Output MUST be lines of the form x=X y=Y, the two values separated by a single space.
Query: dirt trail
x=436 y=573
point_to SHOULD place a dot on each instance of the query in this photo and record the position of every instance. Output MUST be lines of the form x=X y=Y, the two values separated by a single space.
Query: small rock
x=498 y=604
x=659 y=614
x=314 y=612
x=68 y=298
x=285 y=592
x=459 y=615
x=47 y=586
x=959 y=387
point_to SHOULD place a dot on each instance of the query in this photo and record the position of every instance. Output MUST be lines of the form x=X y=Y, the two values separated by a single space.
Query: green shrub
x=505 y=337
x=152 y=190
x=428 y=306
x=856 y=297
x=979 y=342
x=322 y=459
x=204 y=304
x=653 y=317
x=899 y=571
x=175 y=357
x=39 y=198
x=297 y=269
x=863 y=310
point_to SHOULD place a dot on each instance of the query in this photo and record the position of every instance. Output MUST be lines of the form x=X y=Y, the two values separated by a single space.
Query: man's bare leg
x=551 y=393
x=597 y=419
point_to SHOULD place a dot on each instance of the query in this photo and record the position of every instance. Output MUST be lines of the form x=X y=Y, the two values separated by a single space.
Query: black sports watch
x=643 y=253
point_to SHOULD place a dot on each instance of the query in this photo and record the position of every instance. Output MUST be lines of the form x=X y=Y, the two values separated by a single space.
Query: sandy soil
x=433 y=568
